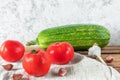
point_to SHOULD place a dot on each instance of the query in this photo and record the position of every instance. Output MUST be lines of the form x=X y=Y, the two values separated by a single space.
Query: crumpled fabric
x=80 y=68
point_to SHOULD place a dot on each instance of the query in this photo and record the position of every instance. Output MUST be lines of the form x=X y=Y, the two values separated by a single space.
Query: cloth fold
x=80 y=68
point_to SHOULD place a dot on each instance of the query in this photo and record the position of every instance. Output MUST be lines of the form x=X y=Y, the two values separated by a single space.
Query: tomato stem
x=33 y=51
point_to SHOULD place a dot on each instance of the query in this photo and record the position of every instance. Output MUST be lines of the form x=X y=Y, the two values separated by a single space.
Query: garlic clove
x=62 y=72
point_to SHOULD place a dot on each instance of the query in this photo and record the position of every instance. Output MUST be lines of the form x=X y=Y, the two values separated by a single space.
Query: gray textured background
x=23 y=19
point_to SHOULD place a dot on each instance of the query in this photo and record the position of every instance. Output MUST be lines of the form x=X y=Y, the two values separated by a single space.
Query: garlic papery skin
x=94 y=51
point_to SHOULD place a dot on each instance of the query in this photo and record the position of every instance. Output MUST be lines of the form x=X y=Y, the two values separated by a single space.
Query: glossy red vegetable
x=36 y=63
x=12 y=50
x=60 y=52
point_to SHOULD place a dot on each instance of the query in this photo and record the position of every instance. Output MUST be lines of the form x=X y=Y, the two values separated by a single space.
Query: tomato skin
x=12 y=50
x=60 y=52
x=37 y=64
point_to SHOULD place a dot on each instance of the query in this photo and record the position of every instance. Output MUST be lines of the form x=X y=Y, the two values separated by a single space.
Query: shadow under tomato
x=69 y=67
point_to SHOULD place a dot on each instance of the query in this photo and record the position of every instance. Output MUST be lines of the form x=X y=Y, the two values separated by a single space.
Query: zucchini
x=80 y=36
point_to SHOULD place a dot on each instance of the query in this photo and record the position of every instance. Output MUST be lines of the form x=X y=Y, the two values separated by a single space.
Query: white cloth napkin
x=80 y=68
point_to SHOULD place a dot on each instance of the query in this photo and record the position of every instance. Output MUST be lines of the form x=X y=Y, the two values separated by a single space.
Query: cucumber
x=80 y=36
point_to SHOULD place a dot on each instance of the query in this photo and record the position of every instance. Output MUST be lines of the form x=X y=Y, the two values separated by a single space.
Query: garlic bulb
x=95 y=51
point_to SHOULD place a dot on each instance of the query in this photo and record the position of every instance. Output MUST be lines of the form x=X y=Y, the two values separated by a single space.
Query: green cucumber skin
x=81 y=36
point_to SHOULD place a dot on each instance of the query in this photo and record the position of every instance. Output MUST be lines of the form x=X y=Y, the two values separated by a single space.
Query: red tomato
x=37 y=63
x=12 y=50
x=60 y=52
